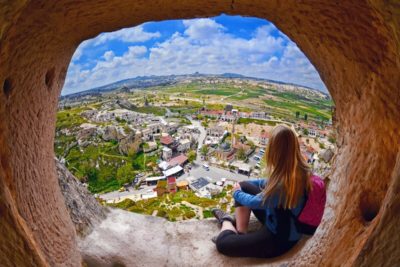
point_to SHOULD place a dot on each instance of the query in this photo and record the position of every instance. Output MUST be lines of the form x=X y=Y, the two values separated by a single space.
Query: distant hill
x=143 y=82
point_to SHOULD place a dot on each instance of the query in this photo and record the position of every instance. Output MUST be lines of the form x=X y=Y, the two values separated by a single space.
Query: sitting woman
x=275 y=202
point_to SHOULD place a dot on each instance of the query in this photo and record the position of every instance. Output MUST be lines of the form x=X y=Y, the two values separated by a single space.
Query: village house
x=149 y=147
x=184 y=145
x=171 y=184
x=155 y=128
x=259 y=115
x=182 y=185
x=228 y=117
x=180 y=160
x=166 y=140
x=147 y=135
x=170 y=127
x=166 y=153
x=216 y=131
x=264 y=137
x=215 y=114
x=174 y=171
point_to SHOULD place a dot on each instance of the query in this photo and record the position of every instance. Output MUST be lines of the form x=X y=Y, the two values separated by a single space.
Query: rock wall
x=355 y=45
x=83 y=208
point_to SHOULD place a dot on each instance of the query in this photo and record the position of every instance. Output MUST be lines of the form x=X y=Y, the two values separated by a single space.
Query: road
x=203 y=134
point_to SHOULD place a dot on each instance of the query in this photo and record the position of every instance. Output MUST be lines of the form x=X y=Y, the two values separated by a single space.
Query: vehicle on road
x=206 y=167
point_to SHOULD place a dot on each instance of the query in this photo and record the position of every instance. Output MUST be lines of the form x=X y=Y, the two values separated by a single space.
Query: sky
x=248 y=46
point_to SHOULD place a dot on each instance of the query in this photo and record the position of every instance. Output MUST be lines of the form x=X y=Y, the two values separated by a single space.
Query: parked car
x=205 y=166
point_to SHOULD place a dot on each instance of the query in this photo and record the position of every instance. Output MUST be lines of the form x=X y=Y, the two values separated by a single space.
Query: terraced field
x=282 y=104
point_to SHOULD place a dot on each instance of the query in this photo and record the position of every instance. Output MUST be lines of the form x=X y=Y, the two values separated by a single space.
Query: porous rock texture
x=355 y=46
x=130 y=239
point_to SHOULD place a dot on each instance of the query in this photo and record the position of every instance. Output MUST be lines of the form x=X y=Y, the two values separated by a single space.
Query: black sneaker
x=222 y=216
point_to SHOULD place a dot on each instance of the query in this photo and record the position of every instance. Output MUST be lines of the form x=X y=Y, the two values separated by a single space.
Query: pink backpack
x=311 y=214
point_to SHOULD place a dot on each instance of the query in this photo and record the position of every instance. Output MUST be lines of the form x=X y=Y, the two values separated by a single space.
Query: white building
x=166 y=153
x=184 y=145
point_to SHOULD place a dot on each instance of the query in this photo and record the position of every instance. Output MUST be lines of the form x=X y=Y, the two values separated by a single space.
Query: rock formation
x=83 y=208
x=355 y=46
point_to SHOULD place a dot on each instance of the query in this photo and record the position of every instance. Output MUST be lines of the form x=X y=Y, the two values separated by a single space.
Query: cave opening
x=184 y=72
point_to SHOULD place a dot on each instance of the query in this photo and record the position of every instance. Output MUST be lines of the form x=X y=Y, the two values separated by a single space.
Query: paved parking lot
x=214 y=173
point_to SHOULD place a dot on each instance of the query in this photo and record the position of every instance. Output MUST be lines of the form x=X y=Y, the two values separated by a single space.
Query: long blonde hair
x=289 y=174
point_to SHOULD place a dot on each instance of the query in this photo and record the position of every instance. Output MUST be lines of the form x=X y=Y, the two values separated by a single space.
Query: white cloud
x=130 y=35
x=206 y=47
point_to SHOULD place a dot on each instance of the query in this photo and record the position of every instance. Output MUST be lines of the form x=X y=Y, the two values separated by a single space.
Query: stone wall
x=354 y=45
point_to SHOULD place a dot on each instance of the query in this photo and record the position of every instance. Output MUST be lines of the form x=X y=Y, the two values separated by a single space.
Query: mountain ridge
x=143 y=82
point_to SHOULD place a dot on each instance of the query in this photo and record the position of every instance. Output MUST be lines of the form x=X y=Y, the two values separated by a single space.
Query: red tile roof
x=171 y=180
x=179 y=160
x=166 y=140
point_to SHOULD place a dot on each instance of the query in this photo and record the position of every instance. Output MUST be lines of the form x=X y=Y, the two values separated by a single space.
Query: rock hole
x=369 y=207
x=49 y=78
x=7 y=87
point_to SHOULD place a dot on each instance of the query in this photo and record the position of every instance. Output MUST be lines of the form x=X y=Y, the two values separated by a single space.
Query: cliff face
x=83 y=208
x=354 y=45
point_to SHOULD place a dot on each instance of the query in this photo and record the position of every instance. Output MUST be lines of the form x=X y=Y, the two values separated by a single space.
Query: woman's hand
x=236 y=187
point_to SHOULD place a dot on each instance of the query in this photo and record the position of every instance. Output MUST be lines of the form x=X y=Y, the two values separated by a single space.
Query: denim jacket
x=255 y=202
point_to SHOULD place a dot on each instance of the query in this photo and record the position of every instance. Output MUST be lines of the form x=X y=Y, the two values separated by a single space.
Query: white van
x=205 y=166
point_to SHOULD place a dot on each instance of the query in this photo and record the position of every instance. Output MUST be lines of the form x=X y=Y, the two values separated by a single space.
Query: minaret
x=233 y=133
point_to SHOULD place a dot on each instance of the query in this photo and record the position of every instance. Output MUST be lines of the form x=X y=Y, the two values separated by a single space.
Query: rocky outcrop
x=123 y=103
x=130 y=144
x=124 y=239
x=83 y=208
x=354 y=45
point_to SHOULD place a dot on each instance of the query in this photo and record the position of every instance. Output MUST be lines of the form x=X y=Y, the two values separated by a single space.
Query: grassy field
x=158 y=111
x=170 y=206
x=280 y=104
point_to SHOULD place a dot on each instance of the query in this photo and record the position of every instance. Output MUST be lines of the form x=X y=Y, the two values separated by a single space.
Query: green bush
x=207 y=214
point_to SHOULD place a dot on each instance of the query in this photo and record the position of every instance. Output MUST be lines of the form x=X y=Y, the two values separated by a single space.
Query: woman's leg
x=227 y=225
x=242 y=215
x=259 y=244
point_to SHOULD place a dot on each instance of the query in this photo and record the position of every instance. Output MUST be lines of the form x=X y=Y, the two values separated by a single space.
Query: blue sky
x=248 y=46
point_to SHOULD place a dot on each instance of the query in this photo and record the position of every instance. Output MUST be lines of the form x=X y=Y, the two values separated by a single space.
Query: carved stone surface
x=354 y=45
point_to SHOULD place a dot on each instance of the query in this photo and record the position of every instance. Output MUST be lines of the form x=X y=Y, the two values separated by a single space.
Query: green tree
x=332 y=139
x=305 y=116
x=191 y=156
x=241 y=154
x=251 y=144
x=125 y=174
x=297 y=114
x=204 y=150
x=305 y=131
